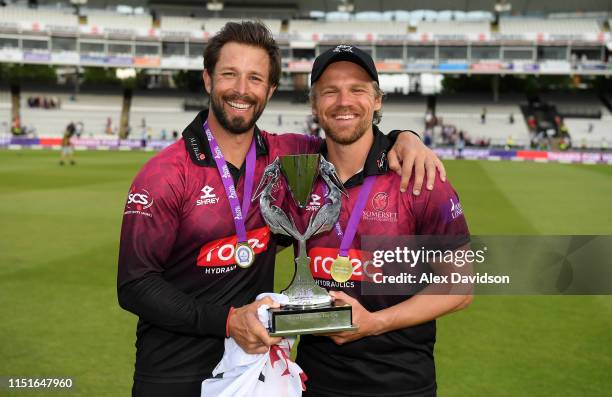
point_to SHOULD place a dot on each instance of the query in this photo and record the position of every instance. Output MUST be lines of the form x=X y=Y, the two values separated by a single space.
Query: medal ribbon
x=353 y=223
x=238 y=213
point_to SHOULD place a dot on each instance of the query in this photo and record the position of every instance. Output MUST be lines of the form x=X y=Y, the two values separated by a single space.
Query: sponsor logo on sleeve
x=139 y=201
x=451 y=209
x=455 y=210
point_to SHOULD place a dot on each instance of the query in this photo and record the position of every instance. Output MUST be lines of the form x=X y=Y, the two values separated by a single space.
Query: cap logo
x=343 y=48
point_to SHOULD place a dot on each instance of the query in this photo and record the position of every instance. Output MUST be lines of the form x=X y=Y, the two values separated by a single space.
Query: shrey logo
x=315 y=199
x=208 y=197
x=138 y=200
x=221 y=252
x=322 y=258
x=343 y=48
x=207 y=190
x=380 y=201
x=315 y=203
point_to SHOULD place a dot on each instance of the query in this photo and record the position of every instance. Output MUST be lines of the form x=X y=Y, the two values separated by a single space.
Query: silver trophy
x=310 y=309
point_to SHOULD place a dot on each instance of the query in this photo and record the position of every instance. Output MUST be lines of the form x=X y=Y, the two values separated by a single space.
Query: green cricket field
x=59 y=315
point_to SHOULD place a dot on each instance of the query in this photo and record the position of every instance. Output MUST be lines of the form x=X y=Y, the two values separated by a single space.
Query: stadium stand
x=407 y=60
x=373 y=16
x=463 y=111
x=113 y=20
x=453 y=27
x=590 y=133
x=181 y=24
x=413 y=17
x=588 y=120
x=417 y=16
x=550 y=26
x=160 y=112
x=166 y=113
x=576 y=103
x=338 y=28
x=41 y=18
x=496 y=129
x=213 y=25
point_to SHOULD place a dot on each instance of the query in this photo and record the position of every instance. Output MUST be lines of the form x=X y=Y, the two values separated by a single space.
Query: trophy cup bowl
x=310 y=309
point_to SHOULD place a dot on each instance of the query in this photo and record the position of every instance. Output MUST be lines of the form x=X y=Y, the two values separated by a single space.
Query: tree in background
x=129 y=79
x=126 y=105
x=15 y=75
x=189 y=80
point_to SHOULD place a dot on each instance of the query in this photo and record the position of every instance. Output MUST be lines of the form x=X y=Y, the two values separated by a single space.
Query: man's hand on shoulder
x=410 y=153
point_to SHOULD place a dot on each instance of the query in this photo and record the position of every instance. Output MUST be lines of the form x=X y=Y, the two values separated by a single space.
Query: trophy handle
x=303 y=290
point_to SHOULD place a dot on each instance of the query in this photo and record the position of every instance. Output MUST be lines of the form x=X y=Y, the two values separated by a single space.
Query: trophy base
x=291 y=320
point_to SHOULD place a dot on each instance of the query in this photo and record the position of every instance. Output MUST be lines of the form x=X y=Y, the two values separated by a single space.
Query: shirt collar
x=199 y=149
x=376 y=162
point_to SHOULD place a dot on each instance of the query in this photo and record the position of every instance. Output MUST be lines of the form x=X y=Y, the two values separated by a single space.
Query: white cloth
x=271 y=374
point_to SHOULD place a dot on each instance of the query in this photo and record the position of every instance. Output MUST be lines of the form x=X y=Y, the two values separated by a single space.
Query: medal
x=244 y=255
x=341 y=269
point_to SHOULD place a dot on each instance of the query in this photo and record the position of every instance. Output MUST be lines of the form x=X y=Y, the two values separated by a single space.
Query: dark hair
x=255 y=34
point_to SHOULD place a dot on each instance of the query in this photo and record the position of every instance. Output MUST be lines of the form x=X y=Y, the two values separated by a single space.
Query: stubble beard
x=237 y=125
x=343 y=139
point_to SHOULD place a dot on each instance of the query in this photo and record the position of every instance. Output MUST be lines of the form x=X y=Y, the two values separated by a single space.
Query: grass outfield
x=60 y=318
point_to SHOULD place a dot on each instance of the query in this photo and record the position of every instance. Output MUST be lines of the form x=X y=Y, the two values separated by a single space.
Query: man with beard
x=391 y=352
x=194 y=251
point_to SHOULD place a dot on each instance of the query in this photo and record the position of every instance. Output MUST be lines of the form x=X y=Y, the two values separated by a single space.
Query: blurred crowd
x=545 y=137
x=436 y=130
x=44 y=102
